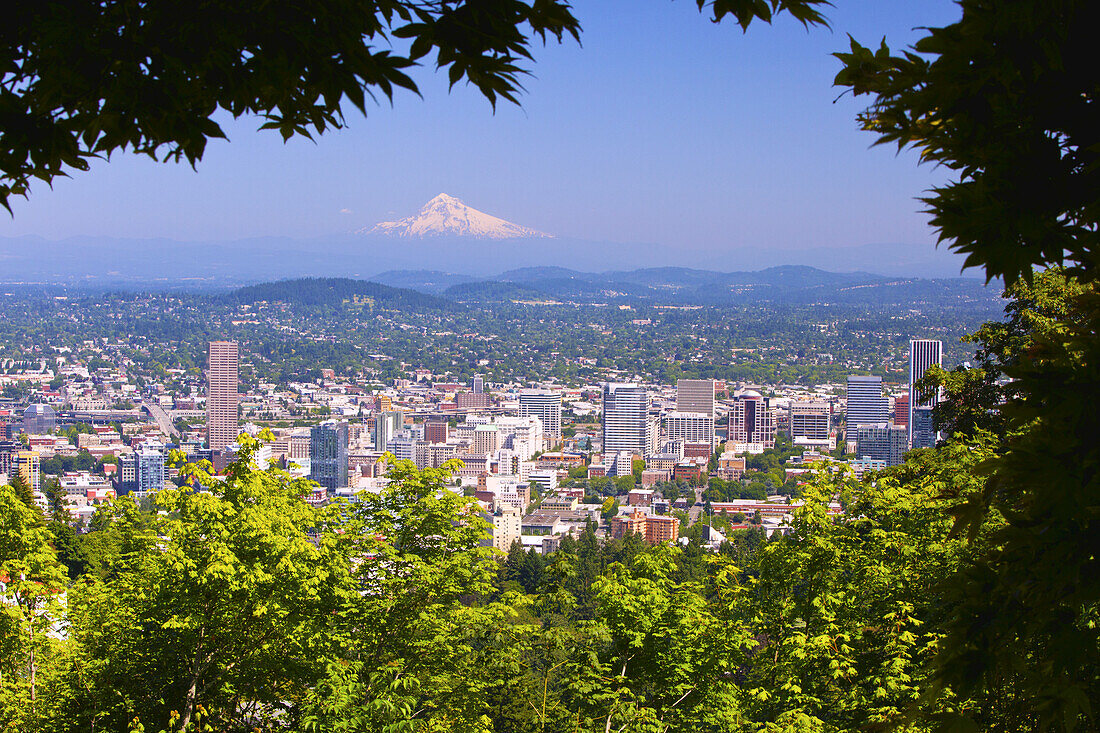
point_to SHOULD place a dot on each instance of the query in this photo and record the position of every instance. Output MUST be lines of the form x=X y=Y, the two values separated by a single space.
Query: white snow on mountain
x=447 y=216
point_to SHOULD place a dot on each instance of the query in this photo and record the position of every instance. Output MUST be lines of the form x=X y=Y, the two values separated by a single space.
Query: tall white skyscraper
x=626 y=423
x=695 y=395
x=866 y=403
x=544 y=404
x=923 y=353
x=386 y=425
x=149 y=467
x=221 y=394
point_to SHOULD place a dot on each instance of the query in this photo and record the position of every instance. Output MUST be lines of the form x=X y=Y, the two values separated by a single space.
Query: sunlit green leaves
x=32 y=581
x=226 y=599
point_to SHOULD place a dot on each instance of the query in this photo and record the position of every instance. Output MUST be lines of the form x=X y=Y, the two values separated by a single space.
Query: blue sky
x=660 y=127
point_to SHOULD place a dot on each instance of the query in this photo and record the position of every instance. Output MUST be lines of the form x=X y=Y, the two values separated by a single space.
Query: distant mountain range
x=445 y=244
x=644 y=282
x=425 y=290
x=685 y=286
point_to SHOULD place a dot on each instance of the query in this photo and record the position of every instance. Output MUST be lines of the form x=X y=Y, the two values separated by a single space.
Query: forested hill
x=321 y=291
x=492 y=292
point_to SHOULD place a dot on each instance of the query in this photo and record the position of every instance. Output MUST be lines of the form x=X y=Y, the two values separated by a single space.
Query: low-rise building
x=651 y=477
x=546 y=480
x=557 y=502
x=542 y=523
x=686 y=471
x=663 y=461
x=654 y=528
x=730 y=467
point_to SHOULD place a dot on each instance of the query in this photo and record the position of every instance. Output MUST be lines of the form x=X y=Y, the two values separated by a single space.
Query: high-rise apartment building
x=221 y=394
x=809 y=420
x=522 y=435
x=626 y=422
x=28 y=465
x=505 y=527
x=403 y=446
x=881 y=442
x=866 y=403
x=695 y=395
x=923 y=353
x=752 y=420
x=297 y=447
x=386 y=425
x=149 y=470
x=479 y=384
x=328 y=454
x=126 y=480
x=486 y=439
x=546 y=406
x=8 y=449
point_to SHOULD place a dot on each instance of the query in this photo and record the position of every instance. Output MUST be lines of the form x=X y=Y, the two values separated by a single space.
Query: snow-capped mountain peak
x=445 y=215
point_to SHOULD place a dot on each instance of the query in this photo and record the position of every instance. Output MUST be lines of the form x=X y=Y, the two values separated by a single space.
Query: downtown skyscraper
x=923 y=353
x=221 y=394
x=328 y=454
x=626 y=419
x=751 y=421
x=544 y=404
x=386 y=425
x=866 y=403
x=695 y=395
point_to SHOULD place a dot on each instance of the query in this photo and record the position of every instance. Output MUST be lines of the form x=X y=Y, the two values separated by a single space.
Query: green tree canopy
x=31 y=580
x=219 y=598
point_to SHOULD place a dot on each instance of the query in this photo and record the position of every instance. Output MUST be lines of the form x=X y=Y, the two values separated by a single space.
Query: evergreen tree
x=23 y=490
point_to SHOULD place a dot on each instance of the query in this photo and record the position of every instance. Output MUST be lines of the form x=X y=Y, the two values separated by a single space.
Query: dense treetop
x=335 y=291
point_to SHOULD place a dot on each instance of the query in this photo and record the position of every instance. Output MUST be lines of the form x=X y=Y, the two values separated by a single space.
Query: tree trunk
x=198 y=668
x=33 y=667
x=189 y=702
